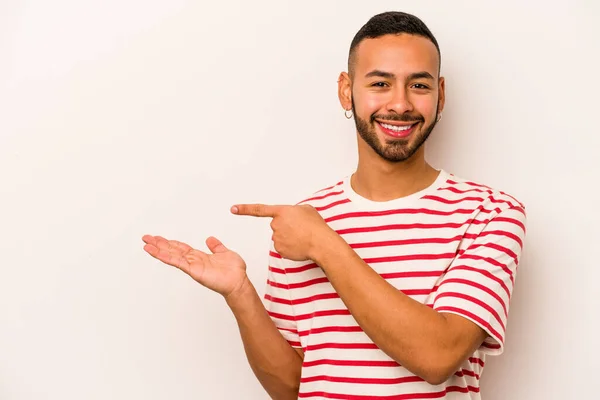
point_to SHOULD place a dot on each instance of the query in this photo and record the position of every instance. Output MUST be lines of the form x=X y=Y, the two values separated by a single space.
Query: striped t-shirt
x=454 y=246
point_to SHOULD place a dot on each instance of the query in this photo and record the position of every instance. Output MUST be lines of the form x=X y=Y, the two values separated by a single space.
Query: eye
x=379 y=84
x=420 y=86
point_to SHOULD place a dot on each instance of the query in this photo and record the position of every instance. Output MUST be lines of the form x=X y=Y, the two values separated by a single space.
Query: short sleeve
x=278 y=302
x=479 y=283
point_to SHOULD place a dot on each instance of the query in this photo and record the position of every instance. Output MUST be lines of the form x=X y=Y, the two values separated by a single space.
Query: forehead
x=400 y=54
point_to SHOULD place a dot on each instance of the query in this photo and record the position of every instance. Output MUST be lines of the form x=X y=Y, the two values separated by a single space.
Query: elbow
x=439 y=370
x=289 y=392
x=435 y=372
x=437 y=378
x=441 y=364
x=279 y=383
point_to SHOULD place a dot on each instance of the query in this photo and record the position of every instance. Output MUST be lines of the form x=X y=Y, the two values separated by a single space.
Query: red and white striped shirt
x=454 y=246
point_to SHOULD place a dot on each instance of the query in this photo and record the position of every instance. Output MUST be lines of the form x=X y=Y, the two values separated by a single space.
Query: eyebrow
x=389 y=75
x=420 y=75
x=381 y=74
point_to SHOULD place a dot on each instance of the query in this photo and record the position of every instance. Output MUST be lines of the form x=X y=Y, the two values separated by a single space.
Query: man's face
x=396 y=94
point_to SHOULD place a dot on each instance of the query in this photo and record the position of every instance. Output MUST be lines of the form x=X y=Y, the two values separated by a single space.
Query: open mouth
x=397 y=129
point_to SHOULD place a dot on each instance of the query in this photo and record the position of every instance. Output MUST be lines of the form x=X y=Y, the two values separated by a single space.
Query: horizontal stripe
x=477 y=185
x=453 y=201
x=455 y=190
x=494 y=246
x=345 y=346
x=475 y=360
x=503 y=233
x=491 y=346
x=410 y=396
x=291 y=330
x=362 y=381
x=276 y=270
x=350 y=363
x=444 y=200
x=403 y=242
x=302 y=268
x=310 y=299
x=329 y=329
x=410 y=211
x=477 y=319
x=446 y=225
x=466 y=372
x=329 y=296
x=411 y=274
x=310 y=282
x=512 y=221
x=391 y=275
x=467 y=389
x=409 y=257
x=316 y=314
x=330 y=187
x=277 y=299
x=321 y=197
x=478 y=286
x=286 y=317
x=521 y=205
x=323 y=313
x=491 y=261
x=485 y=273
x=331 y=205
x=462 y=389
x=474 y=301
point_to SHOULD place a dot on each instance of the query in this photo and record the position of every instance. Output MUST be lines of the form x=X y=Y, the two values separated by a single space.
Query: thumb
x=215 y=245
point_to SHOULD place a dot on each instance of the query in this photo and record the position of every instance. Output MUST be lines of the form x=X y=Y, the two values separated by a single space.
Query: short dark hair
x=391 y=23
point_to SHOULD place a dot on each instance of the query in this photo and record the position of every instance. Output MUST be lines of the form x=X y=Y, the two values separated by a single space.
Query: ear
x=442 y=94
x=345 y=91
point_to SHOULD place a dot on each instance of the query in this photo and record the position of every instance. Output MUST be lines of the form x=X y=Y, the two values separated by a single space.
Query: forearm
x=274 y=362
x=413 y=334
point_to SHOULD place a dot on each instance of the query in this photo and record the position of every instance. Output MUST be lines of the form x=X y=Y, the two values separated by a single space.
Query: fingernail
x=234 y=209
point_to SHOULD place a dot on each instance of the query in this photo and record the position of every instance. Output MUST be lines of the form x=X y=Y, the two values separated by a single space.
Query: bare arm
x=275 y=363
x=433 y=342
x=430 y=344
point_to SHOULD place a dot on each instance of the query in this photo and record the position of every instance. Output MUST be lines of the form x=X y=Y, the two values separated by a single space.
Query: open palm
x=223 y=271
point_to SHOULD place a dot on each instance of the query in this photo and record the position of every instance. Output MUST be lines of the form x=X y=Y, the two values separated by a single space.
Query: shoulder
x=459 y=188
x=493 y=210
x=323 y=196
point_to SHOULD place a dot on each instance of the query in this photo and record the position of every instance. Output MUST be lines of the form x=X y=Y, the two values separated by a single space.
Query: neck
x=379 y=180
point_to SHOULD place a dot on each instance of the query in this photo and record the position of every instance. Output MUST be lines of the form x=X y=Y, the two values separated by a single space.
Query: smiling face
x=395 y=93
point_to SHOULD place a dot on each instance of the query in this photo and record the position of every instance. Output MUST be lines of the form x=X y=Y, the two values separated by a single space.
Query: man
x=395 y=282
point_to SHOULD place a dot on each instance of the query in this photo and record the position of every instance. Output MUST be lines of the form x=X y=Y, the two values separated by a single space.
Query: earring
x=346 y=114
x=439 y=117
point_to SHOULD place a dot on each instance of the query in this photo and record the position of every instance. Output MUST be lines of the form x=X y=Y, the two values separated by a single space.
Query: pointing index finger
x=256 y=210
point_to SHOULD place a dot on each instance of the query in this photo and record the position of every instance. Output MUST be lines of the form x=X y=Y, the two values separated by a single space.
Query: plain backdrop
x=121 y=118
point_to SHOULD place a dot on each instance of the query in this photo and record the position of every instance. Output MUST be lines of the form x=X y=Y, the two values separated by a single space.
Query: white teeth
x=396 y=128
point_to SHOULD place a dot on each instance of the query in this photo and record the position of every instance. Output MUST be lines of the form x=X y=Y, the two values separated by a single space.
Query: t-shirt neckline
x=400 y=202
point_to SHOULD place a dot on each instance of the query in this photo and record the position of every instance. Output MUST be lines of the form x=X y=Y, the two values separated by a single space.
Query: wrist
x=327 y=243
x=240 y=296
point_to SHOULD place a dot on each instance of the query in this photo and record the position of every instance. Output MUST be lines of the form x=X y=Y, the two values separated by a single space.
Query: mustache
x=406 y=117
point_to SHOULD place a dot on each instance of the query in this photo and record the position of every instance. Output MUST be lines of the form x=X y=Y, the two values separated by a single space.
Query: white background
x=120 y=118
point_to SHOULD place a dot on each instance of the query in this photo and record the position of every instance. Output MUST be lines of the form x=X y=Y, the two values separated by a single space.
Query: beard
x=393 y=150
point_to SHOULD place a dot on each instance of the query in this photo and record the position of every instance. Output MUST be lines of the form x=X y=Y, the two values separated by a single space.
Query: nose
x=399 y=101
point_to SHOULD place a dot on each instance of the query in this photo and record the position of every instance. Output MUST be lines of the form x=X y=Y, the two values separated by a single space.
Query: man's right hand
x=275 y=363
x=223 y=271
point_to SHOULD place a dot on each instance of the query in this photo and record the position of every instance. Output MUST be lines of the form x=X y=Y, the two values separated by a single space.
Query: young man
x=395 y=282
